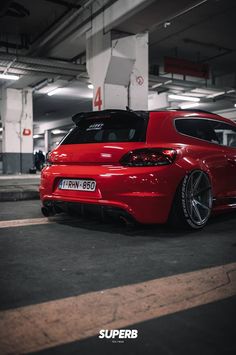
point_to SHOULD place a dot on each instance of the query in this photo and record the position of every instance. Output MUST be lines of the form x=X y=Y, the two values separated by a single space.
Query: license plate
x=77 y=184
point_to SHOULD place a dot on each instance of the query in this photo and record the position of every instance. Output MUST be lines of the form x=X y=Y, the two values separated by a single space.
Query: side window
x=197 y=128
x=225 y=132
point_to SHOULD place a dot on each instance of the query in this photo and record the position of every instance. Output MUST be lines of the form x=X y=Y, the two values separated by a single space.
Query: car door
x=207 y=149
x=227 y=136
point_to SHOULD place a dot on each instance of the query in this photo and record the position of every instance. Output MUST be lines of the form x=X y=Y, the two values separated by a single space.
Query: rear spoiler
x=106 y=113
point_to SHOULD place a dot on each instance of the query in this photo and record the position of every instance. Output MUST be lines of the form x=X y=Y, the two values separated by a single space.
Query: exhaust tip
x=128 y=221
x=47 y=212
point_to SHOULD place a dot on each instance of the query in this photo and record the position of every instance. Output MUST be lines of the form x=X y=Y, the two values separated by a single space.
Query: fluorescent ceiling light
x=1 y=129
x=54 y=91
x=9 y=77
x=90 y=86
x=162 y=83
x=234 y=105
x=184 y=98
x=156 y=85
x=58 y=131
x=189 y=105
x=194 y=94
x=216 y=94
x=35 y=136
x=203 y=91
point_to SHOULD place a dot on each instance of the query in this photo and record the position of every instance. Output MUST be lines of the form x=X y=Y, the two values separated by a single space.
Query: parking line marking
x=53 y=323
x=23 y=222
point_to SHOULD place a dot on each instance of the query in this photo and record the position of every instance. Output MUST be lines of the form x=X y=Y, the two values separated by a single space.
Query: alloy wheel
x=198 y=197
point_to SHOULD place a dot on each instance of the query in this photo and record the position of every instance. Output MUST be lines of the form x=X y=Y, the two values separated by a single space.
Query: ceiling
x=42 y=41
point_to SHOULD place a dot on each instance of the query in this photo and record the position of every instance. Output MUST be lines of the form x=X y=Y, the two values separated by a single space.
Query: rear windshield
x=125 y=127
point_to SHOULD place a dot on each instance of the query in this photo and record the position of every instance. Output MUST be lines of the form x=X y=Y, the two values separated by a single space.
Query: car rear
x=106 y=162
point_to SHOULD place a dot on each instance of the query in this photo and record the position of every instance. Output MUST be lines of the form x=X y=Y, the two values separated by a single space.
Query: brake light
x=149 y=157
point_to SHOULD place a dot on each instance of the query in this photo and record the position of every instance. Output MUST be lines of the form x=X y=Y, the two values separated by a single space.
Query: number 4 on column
x=98 y=99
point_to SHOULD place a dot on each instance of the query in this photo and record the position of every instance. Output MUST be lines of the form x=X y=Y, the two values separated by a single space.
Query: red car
x=154 y=167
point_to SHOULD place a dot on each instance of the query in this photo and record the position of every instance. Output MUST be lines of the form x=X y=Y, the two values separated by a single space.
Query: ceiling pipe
x=43 y=71
x=42 y=62
x=65 y=4
x=59 y=28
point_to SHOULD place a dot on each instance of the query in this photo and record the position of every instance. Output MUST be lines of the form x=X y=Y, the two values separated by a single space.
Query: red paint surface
x=146 y=193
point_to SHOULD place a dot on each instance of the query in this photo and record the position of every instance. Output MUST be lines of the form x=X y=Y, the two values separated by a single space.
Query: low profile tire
x=193 y=201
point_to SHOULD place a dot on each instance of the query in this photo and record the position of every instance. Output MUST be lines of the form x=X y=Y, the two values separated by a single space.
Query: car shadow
x=116 y=226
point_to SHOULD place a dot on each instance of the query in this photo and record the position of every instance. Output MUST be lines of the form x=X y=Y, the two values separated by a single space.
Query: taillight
x=149 y=157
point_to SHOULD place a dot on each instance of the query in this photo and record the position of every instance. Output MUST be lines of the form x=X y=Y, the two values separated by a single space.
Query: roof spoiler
x=78 y=117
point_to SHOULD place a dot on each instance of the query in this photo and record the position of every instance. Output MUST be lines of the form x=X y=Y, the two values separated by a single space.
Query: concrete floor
x=69 y=258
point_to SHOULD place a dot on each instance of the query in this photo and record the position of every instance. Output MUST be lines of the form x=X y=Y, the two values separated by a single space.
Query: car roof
x=172 y=114
x=191 y=113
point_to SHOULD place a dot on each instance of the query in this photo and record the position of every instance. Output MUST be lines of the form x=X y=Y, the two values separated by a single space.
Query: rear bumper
x=143 y=209
x=87 y=209
x=145 y=194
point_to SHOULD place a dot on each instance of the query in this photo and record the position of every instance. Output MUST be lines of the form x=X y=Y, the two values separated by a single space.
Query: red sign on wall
x=26 y=132
x=186 y=67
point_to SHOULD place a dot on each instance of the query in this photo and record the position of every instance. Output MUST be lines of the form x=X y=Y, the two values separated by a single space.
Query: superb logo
x=117 y=335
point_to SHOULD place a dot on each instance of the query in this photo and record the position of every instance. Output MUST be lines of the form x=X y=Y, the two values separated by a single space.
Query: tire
x=192 y=205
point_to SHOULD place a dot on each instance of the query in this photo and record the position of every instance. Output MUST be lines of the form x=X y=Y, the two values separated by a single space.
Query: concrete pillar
x=118 y=69
x=17 y=139
x=47 y=141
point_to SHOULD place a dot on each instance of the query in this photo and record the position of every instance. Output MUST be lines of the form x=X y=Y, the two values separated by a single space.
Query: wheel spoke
x=191 y=208
x=196 y=210
x=201 y=204
x=202 y=190
x=197 y=182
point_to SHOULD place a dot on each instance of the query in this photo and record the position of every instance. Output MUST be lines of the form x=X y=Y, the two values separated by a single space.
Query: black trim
x=87 y=209
x=195 y=111
x=83 y=115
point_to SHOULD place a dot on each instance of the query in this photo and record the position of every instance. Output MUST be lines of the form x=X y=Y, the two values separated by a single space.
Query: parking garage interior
x=65 y=278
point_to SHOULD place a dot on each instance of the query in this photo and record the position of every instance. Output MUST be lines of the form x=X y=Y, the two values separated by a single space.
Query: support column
x=118 y=69
x=17 y=139
x=47 y=141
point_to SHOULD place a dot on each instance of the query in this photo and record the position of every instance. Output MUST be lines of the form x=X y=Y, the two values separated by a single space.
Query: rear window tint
x=197 y=128
x=109 y=128
x=213 y=131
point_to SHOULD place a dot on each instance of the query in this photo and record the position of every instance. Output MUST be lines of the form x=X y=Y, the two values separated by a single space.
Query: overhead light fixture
x=161 y=83
x=231 y=91
x=90 y=86
x=35 y=136
x=58 y=131
x=53 y=92
x=9 y=76
x=215 y=95
x=184 y=98
x=156 y=85
x=234 y=105
x=204 y=91
x=190 y=105
x=1 y=129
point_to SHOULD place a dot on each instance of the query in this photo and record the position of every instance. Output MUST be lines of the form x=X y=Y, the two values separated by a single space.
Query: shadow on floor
x=111 y=225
